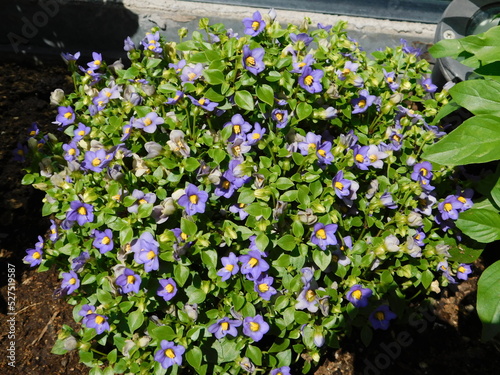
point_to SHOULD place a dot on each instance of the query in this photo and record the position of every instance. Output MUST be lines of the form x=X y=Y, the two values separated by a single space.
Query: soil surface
x=441 y=339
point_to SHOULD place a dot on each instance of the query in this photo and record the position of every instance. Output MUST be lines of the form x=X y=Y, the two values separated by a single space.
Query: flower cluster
x=237 y=201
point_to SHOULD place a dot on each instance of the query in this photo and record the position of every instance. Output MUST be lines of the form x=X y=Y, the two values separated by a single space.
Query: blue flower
x=255 y=25
x=253 y=59
x=129 y=281
x=359 y=296
x=230 y=267
x=167 y=289
x=310 y=80
x=324 y=235
x=169 y=354
x=193 y=200
x=223 y=327
x=380 y=318
x=255 y=327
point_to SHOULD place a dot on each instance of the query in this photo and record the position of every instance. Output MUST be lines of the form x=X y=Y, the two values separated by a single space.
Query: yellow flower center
x=396 y=137
x=390 y=79
x=224 y=326
x=302 y=64
x=169 y=288
x=71 y=151
x=237 y=129
x=72 y=281
x=116 y=197
x=461 y=269
x=373 y=158
x=279 y=117
x=151 y=46
x=362 y=103
x=184 y=236
x=108 y=94
x=253 y=262
x=151 y=254
x=99 y=319
x=82 y=211
x=226 y=184
x=68 y=115
x=322 y=152
x=255 y=25
x=359 y=158
x=448 y=207
x=242 y=205
x=237 y=150
x=201 y=101
x=229 y=267
x=130 y=279
x=89 y=312
x=193 y=199
x=191 y=76
x=379 y=315
x=263 y=287
x=423 y=172
x=357 y=294
x=339 y=185
x=462 y=199
x=254 y=327
x=105 y=240
x=250 y=61
x=169 y=353
x=96 y=162
x=142 y=201
x=346 y=71
x=36 y=255
x=309 y=80
x=312 y=145
x=147 y=121
x=255 y=135
x=310 y=295
x=320 y=233
x=97 y=62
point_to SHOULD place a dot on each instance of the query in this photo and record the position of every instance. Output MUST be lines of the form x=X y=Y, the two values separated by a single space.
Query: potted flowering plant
x=242 y=202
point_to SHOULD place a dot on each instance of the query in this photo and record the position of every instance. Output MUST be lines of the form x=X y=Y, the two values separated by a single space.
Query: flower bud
x=70 y=343
x=414 y=219
x=56 y=97
x=191 y=311
x=182 y=32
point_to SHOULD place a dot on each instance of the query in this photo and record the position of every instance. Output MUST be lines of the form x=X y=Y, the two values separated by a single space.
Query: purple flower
x=390 y=78
x=103 y=240
x=167 y=289
x=178 y=96
x=360 y=154
x=33 y=257
x=463 y=271
x=169 y=354
x=239 y=208
x=450 y=208
x=284 y=370
x=223 y=327
x=151 y=42
x=240 y=127
x=465 y=197
x=326 y=28
x=359 y=296
x=65 y=116
x=145 y=250
x=193 y=200
x=203 y=103
x=310 y=80
x=311 y=143
x=96 y=62
x=255 y=327
x=324 y=235
x=80 y=212
x=149 y=123
x=129 y=281
x=78 y=263
x=253 y=59
x=419 y=237
x=362 y=102
x=96 y=321
x=141 y=198
x=302 y=37
x=178 y=67
x=263 y=286
x=255 y=25
x=307 y=299
x=20 y=152
x=422 y=171
x=428 y=85
x=323 y=153
x=280 y=116
x=86 y=310
x=54 y=233
x=253 y=264
x=69 y=57
x=128 y=44
x=298 y=67
x=341 y=185
x=70 y=282
x=425 y=203
x=349 y=67
x=380 y=318
x=81 y=131
x=228 y=185
x=387 y=201
x=191 y=73
x=256 y=134
x=443 y=267
x=409 y=49
x=96 y=161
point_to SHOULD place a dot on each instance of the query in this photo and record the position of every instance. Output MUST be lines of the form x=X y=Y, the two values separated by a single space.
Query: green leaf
x=194 y=357
x=488 y=300
x=181 y=274
x=495 y=192
x=480 y=225
x=287 y=242
x=477 y=140
x=244 y=100
x=266 y=94
x=214 y=76
x=481 y=97
x=163 y=333
x=255 y=355
x=195 y=295
x=126 y=235
x=188 y=227
x=262 y=241
x=304 y=110
x=226 y=350
x=284 y=183
x=322 y=258
x=135 y=320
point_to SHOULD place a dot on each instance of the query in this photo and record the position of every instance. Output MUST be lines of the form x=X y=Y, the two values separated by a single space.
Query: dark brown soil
x=442 y=340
